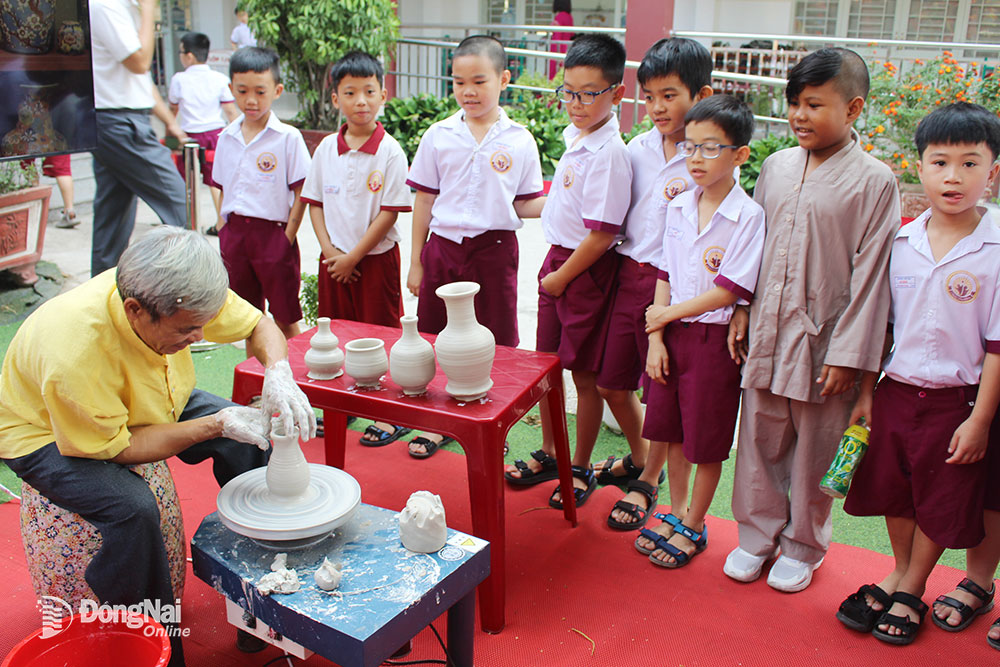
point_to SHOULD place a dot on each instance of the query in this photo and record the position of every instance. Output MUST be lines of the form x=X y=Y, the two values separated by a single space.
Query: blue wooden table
x=386 y=597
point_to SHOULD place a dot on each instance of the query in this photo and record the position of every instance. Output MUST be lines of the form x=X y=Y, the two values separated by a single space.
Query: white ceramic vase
x=422 y=526
x=324 y=359
x=465 y=348
x=287 y=474
x=411 y=359
x=365 y=361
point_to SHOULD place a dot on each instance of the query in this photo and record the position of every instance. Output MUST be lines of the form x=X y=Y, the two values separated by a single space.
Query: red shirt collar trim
x=370 y=146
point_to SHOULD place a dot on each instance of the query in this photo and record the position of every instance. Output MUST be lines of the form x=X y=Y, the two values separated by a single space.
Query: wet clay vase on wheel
x=465 y=348
x=287 y=474
x=324 y=359
x=411 y=359
x=365 y=361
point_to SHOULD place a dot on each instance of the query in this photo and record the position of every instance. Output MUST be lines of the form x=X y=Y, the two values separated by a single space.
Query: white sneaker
x=790 y=575
x=744 y=566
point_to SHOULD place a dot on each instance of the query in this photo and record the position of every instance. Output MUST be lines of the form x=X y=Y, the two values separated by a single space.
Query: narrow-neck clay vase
x=365 y=361
x=465 y=348
x=411 y=359
x=287 y=474
x=324 y=358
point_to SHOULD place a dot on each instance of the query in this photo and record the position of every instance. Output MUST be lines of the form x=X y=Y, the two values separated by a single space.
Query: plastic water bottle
x=852 y=448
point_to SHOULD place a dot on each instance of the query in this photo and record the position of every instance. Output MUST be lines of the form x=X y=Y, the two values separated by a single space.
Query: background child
x=819 y=316
x=242 y=35
x=582 y=217
x=196 y=96
x=476 y=174
x=711 y=254
x=674 y=74
x=260 y=165
x=925 y=469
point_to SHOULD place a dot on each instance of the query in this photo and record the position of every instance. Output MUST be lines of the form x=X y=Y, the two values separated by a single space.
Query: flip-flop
x=967 y=613
x=528 y=476
x=429 y=446
x=580 y=495
x=640 y=514
x=384 y=437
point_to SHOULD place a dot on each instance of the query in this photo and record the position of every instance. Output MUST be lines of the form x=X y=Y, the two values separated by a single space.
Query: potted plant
x=310 y=36
x=24 y=210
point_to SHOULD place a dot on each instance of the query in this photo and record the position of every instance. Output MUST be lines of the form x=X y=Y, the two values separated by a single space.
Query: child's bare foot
x=633 y=510
x=994 y=634
x=666 y=529
x=686 y=541
x=584 y=484
x=968 y=597
x=906 y=606
x=539 y=467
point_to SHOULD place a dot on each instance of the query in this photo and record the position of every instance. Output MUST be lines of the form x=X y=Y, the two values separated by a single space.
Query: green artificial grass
x=214 y=370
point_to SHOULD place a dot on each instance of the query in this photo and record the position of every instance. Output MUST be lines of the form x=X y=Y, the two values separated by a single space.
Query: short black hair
x=959 y=123
x=197 y=44
x=732 y=115
x=483 y=45
x=561 y=6
x=688 y=59
x=255 y=59
x=601 y=51
x=356 y=63
x=843 y=66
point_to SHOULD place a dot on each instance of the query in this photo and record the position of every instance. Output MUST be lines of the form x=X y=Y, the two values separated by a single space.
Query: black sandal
x=383 y=438
x=638 y=513
x=967 y=613
x=429 y=446
x=855 y=612
x=909 y=628
x=605 y=476
x=528 y=476
x=580 y=495
x=995 y=643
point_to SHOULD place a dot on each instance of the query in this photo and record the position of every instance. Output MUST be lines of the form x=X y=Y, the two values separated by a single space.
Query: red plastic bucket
x=94 y=644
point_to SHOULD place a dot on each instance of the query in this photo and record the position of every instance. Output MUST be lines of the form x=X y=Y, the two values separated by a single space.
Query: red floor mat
x=562 y=580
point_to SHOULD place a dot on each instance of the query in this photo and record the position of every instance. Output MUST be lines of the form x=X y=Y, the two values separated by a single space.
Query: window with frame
x=871 y=19
x=932 y=20
x=537 y=12
x=984 y=22
x=815 y=17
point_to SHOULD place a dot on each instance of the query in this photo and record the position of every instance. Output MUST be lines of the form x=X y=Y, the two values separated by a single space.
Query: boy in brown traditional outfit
x=818 y=318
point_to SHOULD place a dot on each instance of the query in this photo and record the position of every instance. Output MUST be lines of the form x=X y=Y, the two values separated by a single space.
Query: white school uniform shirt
x=199 y=93
x=242 y=36
x=726 y=253
x=476 y=183
x=591 y=188
x=655 y=182
x=257 y=179
x=114 y=30
x=353 y=186
x=945 y=314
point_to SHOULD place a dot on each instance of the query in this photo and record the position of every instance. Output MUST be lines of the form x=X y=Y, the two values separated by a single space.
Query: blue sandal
x=681 y=558
x=383 y=437
x=668 y=519
x=580 y=495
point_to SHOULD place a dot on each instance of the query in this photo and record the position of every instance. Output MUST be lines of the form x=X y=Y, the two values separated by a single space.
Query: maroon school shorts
x=53 y=165
x=701 y=399
x=375 y=297
x=575 y=325
x=904 y=473
x=489 y=259
x=207 y=140
x=262 y=265
x=625 y=351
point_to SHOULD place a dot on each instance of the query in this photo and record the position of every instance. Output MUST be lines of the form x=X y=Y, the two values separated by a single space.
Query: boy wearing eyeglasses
x=711 y=249
x=581 y=220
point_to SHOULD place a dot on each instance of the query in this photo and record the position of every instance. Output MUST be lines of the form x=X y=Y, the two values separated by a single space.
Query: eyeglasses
x=586 y=97
x=709 y=149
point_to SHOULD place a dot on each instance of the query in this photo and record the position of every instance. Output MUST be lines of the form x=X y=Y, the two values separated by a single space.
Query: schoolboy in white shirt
x=581 y=219
x=476 y=174
x=925 y=469
x=196 y=97
x=712 y=248
x=260 y=166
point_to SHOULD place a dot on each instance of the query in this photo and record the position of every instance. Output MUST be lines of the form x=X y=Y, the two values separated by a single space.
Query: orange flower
x=880 y=129
x=904 y=164
x=947 y=70
x=948 y=53
x=940 y=70
x=869 y=147
x=918 y=61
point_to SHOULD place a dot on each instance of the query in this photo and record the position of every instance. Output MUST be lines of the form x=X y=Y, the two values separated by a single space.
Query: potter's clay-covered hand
x=243 y=424
x=281 y=396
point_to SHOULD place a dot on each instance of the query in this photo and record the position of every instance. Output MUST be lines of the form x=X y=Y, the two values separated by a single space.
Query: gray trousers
x=129 y=161
x=131 y=565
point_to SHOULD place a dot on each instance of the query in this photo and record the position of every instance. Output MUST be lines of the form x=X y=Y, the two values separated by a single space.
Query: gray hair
x=170 y=269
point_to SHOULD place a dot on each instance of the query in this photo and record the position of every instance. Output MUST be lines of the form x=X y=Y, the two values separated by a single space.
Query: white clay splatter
x=327 y=576
x=280 y=579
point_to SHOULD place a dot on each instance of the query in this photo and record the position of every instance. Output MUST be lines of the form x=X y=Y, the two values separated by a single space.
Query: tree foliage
x=310 y=35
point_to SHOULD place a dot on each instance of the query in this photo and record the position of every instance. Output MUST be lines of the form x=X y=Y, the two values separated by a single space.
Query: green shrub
x=14 y=176
x=759 y=150
x=545 y=120
x=309 y=298
x=637 y=129
x=406 y=118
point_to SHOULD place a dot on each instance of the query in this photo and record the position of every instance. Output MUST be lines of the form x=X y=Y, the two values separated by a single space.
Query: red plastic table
x=521 y=379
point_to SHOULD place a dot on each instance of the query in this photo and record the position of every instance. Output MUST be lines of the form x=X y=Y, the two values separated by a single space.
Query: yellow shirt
x=77 y=374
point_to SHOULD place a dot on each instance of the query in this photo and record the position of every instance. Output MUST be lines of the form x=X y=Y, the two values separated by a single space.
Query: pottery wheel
x=248 y=508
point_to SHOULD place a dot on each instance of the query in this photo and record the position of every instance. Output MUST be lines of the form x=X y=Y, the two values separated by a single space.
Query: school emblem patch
x=501 y=162
x=674 y=187
x=375 y=181
x=962 y=286
x=712 y=259
x=568 y=177
x=266 y=162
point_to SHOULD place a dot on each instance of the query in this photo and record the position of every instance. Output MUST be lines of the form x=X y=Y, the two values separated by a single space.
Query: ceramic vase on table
x=70 y=38
x=324 y=358
x=365 y=361
x=411 y=359
x=27 y=26
x=34 y=132
x=287 y=474
x=465 y=348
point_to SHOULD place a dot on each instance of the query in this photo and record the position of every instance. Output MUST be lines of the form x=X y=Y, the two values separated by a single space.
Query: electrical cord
x=280 y=657
x=430 y=661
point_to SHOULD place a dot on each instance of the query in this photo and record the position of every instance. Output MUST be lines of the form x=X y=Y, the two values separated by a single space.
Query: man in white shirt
x=129 y=161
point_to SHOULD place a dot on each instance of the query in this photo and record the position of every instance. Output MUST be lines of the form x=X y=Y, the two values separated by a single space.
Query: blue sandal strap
x=697 y=538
